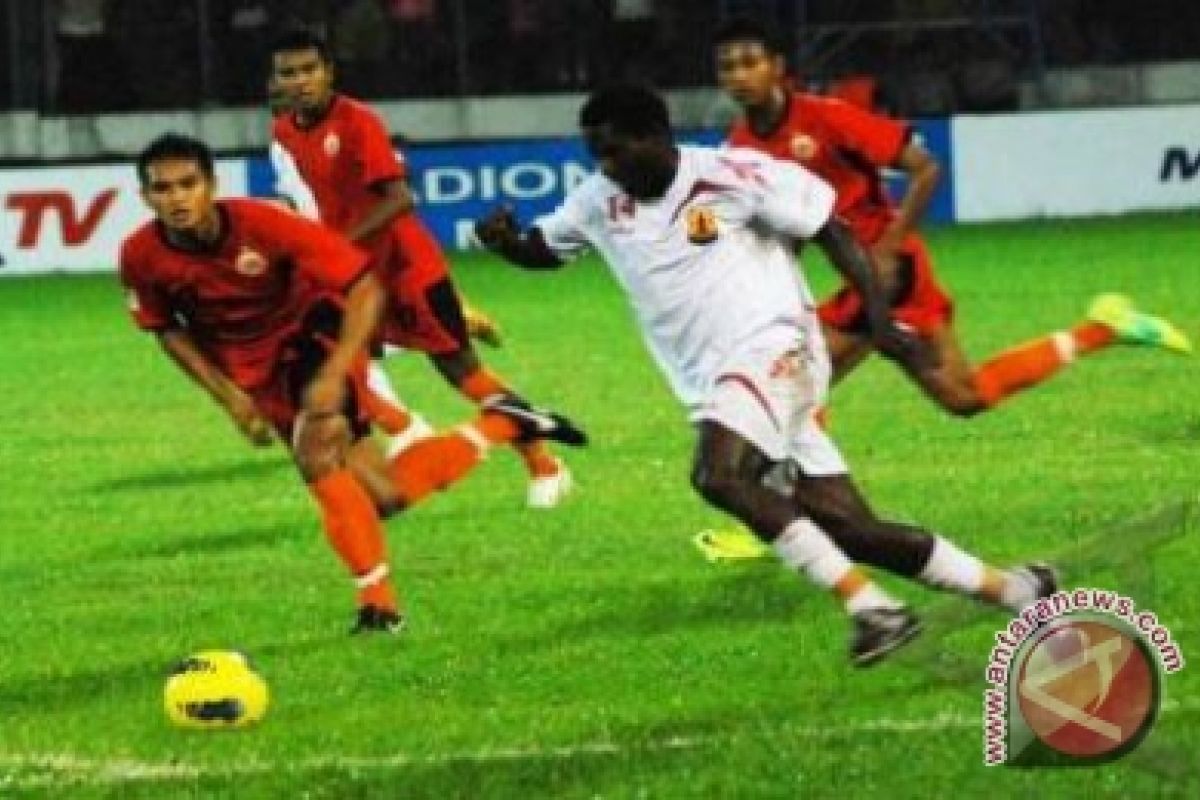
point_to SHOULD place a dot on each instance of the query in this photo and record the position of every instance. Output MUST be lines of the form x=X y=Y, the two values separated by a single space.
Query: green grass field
x=589 y=651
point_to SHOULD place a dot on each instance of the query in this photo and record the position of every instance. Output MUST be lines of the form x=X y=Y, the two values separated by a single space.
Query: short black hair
x=630 y=109
x=174 y=147
x=301 y=38
x=748 y=29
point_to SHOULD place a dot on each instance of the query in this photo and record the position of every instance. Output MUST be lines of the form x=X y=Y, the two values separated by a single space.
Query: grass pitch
x=587 y=651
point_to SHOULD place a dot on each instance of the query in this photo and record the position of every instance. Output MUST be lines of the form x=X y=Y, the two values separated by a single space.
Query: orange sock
x=1091 y=336
x=389 y=416
x=1031 y=363
x=538 y=460
x=481 y=385
x=354 y=531
x=433 y=464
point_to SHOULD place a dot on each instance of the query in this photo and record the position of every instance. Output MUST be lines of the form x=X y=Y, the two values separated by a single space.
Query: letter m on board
x=1179 y=160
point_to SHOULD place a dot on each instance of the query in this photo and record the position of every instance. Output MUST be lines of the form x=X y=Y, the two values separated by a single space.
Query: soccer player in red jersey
x=342 y=151
x=849 y=146
x=271 y=314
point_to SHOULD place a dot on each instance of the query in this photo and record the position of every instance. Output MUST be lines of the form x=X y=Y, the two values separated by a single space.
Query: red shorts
x=282 y=396
x=423 y=310
x=920 y=301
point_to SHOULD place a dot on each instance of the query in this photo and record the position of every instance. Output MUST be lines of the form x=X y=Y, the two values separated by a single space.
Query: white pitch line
x=58 y=769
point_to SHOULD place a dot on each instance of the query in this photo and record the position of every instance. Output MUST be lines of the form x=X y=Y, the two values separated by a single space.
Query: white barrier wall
x=72 y=219
x=1076 y=163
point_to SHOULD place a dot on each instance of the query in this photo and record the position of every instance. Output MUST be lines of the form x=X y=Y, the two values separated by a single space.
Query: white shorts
x=770 y=395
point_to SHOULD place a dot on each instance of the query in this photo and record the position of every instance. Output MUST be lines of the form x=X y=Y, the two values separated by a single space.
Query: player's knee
x=962 y=401
x=320 y=444
x=722 y=487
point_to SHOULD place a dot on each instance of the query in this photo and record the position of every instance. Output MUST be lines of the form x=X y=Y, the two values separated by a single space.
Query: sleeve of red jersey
x=375 y=152
x=878 y=138
x=147 y=304
x=320 y=251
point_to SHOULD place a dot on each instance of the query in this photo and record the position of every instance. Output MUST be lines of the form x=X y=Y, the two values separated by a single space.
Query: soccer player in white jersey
x=702 y=240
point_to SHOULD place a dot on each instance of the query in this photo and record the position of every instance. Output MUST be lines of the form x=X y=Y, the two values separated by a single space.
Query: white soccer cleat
x=417 y=430
x=550 y=490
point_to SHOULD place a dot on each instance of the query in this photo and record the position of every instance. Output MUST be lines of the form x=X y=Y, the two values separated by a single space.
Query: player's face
x=749 y=72
x=642 y=166
x=181 y=195
x=304 y=79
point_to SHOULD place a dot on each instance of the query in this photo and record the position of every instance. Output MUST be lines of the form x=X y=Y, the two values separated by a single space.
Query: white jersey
x=709 y=267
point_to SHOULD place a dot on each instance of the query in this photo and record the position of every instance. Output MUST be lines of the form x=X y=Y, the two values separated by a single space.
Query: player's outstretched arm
x=179 y=345
x=498 y=232
x=849 y=259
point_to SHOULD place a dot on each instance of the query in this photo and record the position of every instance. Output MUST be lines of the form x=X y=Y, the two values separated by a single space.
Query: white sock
x=1017 y=592
x=378 y=382
x=805 y=547
x=951 y=568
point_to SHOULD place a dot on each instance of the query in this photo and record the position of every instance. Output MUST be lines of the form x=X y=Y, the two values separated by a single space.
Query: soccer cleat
x=535 y=423
x=548 y=491
x=1132 y=326
x=1032 y=583
x=731 y=544
x=417 y=430
x=879 y=631
x=373 y=619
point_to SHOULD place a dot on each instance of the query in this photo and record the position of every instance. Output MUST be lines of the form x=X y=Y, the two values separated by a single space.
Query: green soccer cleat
x=1136 y=327
x=731 y=544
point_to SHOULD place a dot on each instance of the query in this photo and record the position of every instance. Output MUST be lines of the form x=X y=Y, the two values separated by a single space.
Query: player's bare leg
x=728 y=472
x=964 y=389
x=835 y=503
x=846 y=351
x=951 y=382
x=550 y=480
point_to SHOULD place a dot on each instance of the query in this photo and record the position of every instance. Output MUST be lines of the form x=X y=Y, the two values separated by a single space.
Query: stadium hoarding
x=73 y=218
x=457 y=184
x=1077 y=163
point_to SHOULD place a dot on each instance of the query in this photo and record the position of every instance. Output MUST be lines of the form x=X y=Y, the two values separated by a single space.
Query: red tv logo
x=76 y=229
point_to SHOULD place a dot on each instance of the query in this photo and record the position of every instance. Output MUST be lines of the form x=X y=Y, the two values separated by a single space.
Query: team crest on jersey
x=250 y=263
x=332 y=144
x=701 y=225
x=804 y=147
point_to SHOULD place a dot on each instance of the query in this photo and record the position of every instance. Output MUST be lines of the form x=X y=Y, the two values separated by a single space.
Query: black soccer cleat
x=879 y=631
x=372 y=619
x=535 y=423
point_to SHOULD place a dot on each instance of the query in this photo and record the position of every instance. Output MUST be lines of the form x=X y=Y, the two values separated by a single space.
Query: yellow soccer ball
x=215 y=689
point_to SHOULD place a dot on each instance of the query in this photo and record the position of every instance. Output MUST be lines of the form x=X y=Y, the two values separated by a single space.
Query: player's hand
x=886 y=263
x=326 y=395
x=249 y=421
x=498 y=228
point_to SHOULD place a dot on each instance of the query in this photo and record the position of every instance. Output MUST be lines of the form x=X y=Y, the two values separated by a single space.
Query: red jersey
x=844 y=145
x=241 y=298
x=342 y=159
